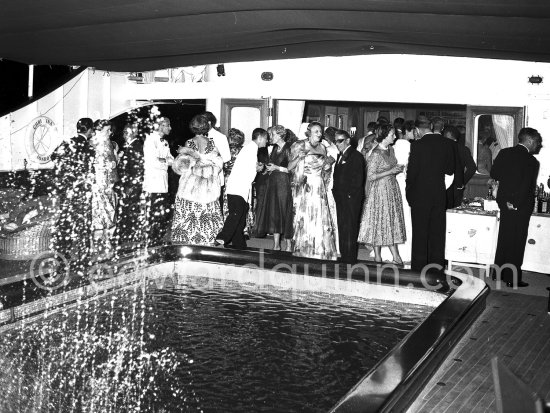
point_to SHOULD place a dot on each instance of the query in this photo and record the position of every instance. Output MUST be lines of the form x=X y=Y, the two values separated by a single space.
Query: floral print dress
x=382 y=221
x=313 y=225
x=197 y=212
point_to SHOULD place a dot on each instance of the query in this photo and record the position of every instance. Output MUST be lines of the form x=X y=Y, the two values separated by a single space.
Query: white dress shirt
x=243 y=172
x=156 y=158
x=402 y=148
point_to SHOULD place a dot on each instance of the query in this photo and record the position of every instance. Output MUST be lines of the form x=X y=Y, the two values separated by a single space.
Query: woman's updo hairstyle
x=330 y=133
x=235 y=137
x=311 y=125
x=101 y=123
x=279 y=130
x=382 y=131
x=199 y=125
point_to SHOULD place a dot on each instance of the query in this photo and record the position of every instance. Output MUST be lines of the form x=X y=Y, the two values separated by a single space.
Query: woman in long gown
x=274 y=215
x=382 y=223
x=103 y=194
x=332 y=151
x=197 y=213
x=313 y=226
x=260 y=186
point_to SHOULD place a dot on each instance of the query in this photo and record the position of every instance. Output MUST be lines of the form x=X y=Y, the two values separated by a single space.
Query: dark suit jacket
x=465 y=168
x=431 y=157
x=349 y=175
x=516 y=170
x=467 y=162
x=130 y=167
x=73 y=162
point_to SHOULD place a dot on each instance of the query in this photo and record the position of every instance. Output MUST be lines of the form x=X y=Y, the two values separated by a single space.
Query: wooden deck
x=514 y=327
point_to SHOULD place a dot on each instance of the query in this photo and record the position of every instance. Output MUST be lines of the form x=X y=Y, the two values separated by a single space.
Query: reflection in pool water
x=199 y=346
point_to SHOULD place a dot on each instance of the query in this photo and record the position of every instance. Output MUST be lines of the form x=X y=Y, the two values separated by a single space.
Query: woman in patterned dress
x=313 y=226
x=275 y=213
x=197 y=213
x=104 y=179
x=382 y=222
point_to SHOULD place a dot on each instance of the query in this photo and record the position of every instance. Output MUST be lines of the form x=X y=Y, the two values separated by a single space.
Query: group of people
x=85 y=177
x=322 y=195
x=319 y=196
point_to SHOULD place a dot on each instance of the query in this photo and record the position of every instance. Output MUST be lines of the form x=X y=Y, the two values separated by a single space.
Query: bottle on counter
x=489 y=193
x=545 y=209
x=539 y=198
x=536 y=205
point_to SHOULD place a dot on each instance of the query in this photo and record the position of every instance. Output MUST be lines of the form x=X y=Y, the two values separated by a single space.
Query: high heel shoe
x=400 y=263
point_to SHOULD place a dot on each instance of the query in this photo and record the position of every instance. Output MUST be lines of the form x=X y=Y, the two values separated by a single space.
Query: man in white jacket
x=157 y=158
x=238 y=188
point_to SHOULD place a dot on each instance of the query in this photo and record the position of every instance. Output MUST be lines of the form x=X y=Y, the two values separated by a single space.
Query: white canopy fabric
x=141 y=35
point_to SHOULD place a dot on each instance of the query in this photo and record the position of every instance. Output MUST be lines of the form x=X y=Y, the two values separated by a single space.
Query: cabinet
x=538 y=244
x=336 y=116
x=472 y=239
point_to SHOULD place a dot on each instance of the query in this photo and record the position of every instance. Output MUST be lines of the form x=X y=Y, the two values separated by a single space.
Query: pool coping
x=395 y=381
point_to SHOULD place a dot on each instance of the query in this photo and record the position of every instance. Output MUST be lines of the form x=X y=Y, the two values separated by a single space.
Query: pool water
x=199 y=346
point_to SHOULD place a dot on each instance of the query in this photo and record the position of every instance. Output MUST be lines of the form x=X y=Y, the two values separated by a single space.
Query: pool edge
x=414 y=359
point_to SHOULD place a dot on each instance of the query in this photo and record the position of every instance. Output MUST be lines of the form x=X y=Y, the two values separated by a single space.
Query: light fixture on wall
x=535 y=80
x=221 y=70
x=267 y=76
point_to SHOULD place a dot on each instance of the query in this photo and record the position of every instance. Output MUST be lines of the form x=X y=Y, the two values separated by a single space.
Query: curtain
x=504 y=132
x=148 y=77
x=290 y=114
x=394 y=114
x=370 y=117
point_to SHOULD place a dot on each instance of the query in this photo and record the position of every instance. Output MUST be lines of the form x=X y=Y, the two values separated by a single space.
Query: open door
x=488 y=130
x=245 y=115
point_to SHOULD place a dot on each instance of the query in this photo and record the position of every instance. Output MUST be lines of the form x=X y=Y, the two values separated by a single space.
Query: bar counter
x=472 y=239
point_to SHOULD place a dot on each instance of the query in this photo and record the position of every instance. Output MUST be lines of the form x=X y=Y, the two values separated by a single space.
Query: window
x=494 y=132
x=244 y=114
x=488 y=130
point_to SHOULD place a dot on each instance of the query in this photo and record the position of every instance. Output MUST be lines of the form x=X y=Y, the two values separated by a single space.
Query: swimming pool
x=255 y=277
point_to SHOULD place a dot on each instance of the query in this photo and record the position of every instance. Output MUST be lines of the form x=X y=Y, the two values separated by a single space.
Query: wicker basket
x=27 y=243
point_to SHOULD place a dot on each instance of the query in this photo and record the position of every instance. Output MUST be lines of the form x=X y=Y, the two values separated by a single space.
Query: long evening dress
x=197 y=213
x=260 y=185
x=103 y=194
x=274 y=214
x=313 y=226
x=382 y=221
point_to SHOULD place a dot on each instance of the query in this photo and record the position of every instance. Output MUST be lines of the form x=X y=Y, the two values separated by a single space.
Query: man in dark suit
x=431 y=158
x=516 y=170
x=71 y=238
x=466 y=168
x=349 y=176
x=131 y=218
